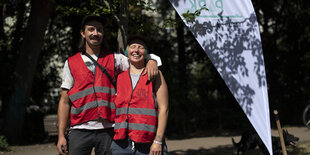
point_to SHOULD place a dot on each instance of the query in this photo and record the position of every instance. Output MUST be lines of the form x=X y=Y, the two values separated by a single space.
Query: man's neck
x=92 y=50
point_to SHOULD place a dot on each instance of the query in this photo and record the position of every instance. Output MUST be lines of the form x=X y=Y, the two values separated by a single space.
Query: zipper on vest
x=133 y=89
x=127 y=119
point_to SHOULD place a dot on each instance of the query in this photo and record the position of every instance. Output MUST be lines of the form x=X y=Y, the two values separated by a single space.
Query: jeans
x=128 y=147
x=82 y=141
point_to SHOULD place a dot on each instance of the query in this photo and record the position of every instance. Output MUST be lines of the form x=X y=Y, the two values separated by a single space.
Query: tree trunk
x=182 y=72
x=181 y=50
x=2 y=35
x=123 y=26
x=25 y=68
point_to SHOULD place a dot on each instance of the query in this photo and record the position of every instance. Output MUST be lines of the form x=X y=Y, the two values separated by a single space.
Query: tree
x=25 y=67
x=285 y=27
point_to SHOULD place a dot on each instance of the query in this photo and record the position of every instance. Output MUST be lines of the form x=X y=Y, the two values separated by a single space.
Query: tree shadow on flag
x=235 y=49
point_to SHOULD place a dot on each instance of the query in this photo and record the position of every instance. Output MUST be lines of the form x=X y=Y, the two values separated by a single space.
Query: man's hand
x=62 y=146
x=155 y=149
x=63 y=115
x=152 y=70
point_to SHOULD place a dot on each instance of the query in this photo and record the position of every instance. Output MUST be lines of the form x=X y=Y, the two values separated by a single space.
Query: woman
x=141 y=107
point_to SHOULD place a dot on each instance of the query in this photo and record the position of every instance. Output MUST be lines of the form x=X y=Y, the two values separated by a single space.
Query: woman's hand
x=156 y=149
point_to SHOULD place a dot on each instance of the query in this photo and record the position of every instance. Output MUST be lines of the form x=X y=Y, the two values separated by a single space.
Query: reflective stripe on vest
x=90 y=105
x=98 y=89
x=135 y=126
x=137 y=111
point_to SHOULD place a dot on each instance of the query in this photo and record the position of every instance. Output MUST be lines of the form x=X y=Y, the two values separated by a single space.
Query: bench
x=50 y=125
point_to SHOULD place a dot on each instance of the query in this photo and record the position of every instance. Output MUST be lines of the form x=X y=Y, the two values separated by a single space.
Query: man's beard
x=96 y=38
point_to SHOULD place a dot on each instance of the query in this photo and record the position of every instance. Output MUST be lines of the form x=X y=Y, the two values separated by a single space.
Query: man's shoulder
x=77 y=57
x=119 y=54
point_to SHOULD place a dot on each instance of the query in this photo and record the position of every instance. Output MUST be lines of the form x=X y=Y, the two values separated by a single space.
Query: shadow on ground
x=227 y=150
x=205 y=133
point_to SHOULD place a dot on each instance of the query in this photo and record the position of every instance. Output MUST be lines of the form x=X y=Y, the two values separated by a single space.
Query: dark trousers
x=82 y=141
x=126 y=147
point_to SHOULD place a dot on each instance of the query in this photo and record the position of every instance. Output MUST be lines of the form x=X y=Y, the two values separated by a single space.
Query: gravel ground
x=201 y=145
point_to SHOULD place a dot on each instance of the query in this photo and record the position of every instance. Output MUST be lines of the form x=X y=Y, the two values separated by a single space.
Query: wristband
x=158 y=142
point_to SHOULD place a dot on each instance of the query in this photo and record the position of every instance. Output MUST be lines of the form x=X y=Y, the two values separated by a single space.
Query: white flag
x=228 y=32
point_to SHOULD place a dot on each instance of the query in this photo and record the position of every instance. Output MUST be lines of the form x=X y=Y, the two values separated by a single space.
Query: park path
x=175 y=146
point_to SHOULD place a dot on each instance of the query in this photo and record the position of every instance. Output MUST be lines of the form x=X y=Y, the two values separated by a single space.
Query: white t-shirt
x=121 y=63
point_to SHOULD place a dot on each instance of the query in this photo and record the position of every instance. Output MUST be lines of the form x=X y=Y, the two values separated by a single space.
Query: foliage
x=190 y=17
x=82 y=7
x=285 y=37
x=4 y=146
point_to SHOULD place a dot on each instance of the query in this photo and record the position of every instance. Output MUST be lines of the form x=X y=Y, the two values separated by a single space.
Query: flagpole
x=280 y=131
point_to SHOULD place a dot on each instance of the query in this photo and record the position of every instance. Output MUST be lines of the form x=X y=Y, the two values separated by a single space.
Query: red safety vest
x=136 y=112
x=92 y=96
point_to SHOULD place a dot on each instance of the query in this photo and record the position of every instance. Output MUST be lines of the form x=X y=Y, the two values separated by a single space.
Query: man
x=88 y=93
